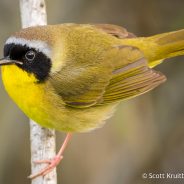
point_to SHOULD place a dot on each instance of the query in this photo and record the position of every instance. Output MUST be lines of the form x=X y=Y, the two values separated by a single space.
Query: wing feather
x=122 y=73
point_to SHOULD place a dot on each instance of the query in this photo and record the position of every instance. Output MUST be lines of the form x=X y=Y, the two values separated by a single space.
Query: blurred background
x=146 y=134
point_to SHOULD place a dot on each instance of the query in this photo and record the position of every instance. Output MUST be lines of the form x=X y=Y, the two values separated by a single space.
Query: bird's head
x=31 y=49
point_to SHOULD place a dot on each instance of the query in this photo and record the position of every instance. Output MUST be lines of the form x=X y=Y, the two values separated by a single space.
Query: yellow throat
x=23 y=89
x=39 y=104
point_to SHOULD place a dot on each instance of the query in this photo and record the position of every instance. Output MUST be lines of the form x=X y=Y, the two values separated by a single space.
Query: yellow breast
x=23 y=88
x=40 y=103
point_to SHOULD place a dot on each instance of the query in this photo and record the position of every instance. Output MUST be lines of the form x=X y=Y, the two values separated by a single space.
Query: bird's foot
x=52 y=163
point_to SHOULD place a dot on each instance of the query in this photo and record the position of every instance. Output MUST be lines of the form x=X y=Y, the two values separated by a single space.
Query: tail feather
x=159 y=47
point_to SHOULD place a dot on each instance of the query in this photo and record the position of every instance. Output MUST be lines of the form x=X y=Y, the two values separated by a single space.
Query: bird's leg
x=52 y=163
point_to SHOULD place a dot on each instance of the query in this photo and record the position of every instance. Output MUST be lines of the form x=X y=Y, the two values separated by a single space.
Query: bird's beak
x=8 y=61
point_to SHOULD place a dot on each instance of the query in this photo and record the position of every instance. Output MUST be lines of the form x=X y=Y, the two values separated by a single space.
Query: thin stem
x=33 y=12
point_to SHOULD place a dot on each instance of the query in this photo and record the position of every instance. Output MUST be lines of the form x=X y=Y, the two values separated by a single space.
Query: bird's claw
x=51 y=165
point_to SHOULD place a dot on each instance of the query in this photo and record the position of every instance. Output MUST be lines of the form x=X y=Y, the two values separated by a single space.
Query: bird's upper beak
x=8 y=61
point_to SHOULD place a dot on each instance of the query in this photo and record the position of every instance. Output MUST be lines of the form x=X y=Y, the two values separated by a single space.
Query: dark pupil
x=30 y=55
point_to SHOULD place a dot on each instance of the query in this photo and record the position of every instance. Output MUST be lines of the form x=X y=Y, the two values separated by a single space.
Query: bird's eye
x=30 y=55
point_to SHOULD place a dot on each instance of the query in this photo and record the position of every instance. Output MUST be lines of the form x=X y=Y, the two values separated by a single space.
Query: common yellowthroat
x=70 y=77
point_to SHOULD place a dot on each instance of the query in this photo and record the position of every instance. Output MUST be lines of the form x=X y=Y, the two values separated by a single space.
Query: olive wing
x=122 y=73
x=131 y=75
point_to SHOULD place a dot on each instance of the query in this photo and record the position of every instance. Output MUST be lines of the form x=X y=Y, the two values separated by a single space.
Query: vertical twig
x=33 y=12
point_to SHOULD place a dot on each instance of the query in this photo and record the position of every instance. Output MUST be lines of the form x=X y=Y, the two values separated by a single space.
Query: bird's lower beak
x=7 y=61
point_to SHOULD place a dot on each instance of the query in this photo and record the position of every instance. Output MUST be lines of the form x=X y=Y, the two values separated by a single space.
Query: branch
x=33 y=12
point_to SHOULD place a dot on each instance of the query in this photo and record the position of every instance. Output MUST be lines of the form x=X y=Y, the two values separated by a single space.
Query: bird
x=71 y=77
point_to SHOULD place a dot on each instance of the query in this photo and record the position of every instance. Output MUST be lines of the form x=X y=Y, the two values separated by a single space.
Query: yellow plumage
x=93 y=68
x=159 y=47
x=40 y=103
